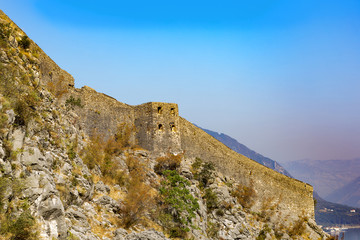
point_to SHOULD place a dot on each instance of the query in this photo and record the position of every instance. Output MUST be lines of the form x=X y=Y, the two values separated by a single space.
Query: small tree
x=179 y=205
x=25 y=42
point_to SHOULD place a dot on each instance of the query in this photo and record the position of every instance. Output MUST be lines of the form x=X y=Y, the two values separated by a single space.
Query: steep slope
x=242 y=149
x=348 y=194
x=325 y=175
x=71 y=169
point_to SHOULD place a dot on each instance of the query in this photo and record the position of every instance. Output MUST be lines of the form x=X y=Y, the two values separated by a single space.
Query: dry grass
x=137 y=203
x=57 y=88
x=245 y=195
x=103 y=231
x=168 y=162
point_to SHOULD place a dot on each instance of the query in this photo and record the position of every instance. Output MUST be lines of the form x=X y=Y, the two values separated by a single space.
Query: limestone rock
x=51 y=208
x=3 y=57
x=109 y=203
x=101 y=187
x=34 y=158
x=2 y=152
x=18 y=138
x=11 y=116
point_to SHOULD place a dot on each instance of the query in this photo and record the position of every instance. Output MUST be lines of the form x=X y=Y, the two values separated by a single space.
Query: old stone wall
x=294 y=197
x=100 y=113
x=158 y=127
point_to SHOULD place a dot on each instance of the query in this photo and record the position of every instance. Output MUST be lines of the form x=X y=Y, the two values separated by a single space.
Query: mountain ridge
x=244 y=150
x=330 y=178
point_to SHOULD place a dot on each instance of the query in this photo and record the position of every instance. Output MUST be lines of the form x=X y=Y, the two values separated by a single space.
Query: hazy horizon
x=280 y=77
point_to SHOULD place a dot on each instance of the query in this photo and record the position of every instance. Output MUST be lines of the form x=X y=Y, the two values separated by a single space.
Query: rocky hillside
x=70 y=170
x=244 y=150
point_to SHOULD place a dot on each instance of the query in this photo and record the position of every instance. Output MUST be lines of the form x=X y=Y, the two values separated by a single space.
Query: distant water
x=352 y=234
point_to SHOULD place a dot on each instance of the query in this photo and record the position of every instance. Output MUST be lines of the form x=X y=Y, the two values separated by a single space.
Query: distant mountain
x=348 y=194
x=326 y=213
x=330 y=214
x=242 y=149
x=334 y=180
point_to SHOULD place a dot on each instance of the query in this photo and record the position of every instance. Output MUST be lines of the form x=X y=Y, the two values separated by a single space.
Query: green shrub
x=203 y=172
x=72 y=149
x=178 y=203
x=25 y=108
x=72 y=102
x=206 y=174
x=24 y=227
x=211 y=200
x=212 y=229
x=25 y=42
x=263 y=232
x=12 y=226
x=196 y=165
x=4 y=34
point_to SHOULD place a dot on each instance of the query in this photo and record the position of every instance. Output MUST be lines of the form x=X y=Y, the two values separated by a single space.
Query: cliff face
x=77 y=164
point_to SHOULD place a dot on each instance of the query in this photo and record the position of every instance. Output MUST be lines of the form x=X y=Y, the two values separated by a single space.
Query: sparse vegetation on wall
x=124 y=133
x=57 y=87
x=73 y=102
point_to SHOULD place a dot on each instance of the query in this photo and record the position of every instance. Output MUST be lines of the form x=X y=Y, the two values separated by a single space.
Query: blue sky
x=282 y=77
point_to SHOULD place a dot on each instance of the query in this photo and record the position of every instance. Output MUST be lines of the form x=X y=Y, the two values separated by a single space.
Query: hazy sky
x=282 y=77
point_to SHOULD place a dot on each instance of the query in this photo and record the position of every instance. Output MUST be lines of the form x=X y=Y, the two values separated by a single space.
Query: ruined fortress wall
x=157 y=126
x=294 y=197
x=160 y=129
x=100 y=113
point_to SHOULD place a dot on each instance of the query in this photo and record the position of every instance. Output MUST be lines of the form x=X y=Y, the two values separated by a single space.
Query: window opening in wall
x=172 y=127
x=160 y=110
x=161 y=127
x=172 y=111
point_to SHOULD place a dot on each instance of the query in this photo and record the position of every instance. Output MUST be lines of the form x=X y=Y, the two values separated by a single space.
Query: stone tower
x=157 y=126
